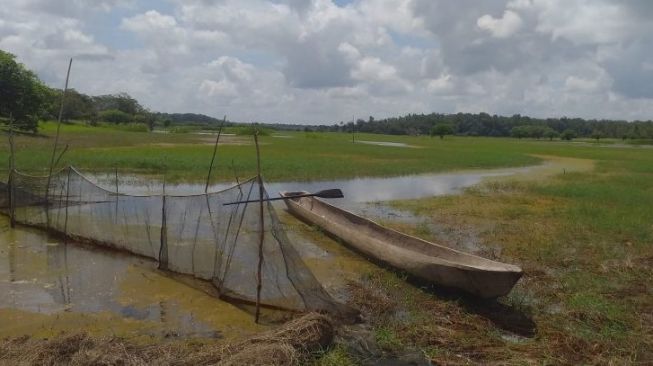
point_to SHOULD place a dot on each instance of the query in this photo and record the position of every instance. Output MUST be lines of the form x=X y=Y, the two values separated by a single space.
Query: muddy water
x=48 y=286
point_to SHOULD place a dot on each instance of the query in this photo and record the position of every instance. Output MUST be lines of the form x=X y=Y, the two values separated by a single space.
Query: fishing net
x=195 y=235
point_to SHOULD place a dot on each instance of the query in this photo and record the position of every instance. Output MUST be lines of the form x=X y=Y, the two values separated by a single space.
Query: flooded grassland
x=578 y=223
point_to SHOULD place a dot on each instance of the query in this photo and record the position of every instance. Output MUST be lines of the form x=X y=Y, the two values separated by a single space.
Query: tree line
x=26 y=99
x=484 y=124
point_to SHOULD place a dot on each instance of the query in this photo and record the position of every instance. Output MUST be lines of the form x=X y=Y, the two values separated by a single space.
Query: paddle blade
x=329 y=193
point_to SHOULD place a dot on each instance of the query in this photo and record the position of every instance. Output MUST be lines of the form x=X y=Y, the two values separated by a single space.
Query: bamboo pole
x=215 y=149
x=259 y=283
x=56 y=141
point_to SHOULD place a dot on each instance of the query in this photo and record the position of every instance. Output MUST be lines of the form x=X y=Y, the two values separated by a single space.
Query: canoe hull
x=432 y=262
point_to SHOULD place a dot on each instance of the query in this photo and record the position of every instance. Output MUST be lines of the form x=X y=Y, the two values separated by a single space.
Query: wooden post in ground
x=259 y=284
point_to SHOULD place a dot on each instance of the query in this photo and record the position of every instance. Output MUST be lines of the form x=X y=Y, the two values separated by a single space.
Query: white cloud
x=150 y=21
x=502 y=27
x=311 y=61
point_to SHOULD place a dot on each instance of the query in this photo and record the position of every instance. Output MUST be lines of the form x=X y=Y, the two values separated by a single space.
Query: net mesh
x=195 y=235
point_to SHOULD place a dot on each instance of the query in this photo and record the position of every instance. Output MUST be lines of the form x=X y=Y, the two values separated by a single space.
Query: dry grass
x=291 y=344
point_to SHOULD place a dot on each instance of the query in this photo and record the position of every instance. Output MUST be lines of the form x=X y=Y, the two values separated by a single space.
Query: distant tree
x=77 y=106
x=568 y=134
x=115 y=116
x=22 y=94
x=441 y=129
x=150 y=120
x=536 y=131
x=551 y=134
x=167 y=122
x=519 y=132
x=596 y=135
x=121 y=101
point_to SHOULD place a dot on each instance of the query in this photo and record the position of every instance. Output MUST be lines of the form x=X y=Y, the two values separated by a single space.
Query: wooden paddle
x=327 y=193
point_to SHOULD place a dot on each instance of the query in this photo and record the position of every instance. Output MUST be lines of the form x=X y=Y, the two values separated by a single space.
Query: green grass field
x=301 y=156
x=584 y=239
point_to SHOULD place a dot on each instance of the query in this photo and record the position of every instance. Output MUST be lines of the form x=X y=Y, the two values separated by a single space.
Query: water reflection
x=356 y=190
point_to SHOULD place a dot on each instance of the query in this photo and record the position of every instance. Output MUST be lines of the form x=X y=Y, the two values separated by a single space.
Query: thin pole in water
x=163 y=249
x=215 y=149
x=12 y=167
x=259 y=283
x=56 y=141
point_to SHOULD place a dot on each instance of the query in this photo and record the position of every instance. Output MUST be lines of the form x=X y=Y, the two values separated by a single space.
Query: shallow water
x=356 y=190
x=384 y=143
x=44 y=276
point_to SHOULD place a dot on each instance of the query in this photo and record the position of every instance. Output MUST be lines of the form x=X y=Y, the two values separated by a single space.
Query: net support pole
x=259 y=280
x=163 y=250
x=215 y=150
x=65 y=222
x=12 y=167
x=56 y=141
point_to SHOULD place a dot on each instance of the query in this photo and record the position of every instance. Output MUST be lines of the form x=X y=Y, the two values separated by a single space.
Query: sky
x=325 y=61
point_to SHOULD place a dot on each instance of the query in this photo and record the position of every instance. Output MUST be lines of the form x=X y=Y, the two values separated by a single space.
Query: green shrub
x=251 y=130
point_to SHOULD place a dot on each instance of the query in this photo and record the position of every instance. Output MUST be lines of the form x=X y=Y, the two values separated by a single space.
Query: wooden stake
x=56 y=141
x=117 y=195
x=259 y=284
x=215 y=149
x=61 y=155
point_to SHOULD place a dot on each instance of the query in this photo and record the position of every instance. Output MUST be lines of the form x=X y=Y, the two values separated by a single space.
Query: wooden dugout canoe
x=436 y=263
